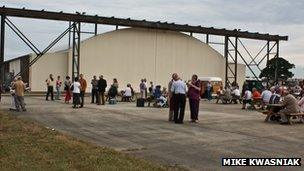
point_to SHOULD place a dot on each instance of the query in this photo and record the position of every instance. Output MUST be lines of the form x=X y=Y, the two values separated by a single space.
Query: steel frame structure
x=232 y=38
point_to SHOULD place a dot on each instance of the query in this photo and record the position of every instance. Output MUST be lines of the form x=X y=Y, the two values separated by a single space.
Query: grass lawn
x=29 y=146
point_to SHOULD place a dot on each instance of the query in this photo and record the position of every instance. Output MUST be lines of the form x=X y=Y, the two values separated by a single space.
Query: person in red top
x=256 y=95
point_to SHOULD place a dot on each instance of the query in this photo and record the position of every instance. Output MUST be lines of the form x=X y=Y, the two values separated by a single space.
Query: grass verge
x=26 y=145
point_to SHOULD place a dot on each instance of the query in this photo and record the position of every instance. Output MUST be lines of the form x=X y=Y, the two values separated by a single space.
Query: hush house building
x=130 y=55
x=143 y=49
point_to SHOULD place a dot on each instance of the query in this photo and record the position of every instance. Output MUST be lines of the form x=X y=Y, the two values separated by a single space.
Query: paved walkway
x=223 y=131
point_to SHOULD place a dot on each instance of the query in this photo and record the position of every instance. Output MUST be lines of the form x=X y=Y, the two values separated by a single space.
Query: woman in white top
x=76 y=93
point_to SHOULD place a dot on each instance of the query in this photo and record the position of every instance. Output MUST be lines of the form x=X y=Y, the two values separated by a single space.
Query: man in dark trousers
x=94 y=83
x=178 y=90
x=83 y=84
x=102 y=85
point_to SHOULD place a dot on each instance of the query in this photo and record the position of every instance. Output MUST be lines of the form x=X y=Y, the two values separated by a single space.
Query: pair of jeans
x=58 y=93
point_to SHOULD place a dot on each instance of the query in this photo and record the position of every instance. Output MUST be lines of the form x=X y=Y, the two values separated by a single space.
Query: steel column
x=95 y=31
x=235 y=59
x=70 y=23
x=226 y=58
x=76 y=50
x=268 y=51
x=276 y=68
x=2 y=38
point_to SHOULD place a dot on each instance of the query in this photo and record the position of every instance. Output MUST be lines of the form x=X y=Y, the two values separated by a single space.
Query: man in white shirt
x=247 y=98
x=236 y=94
x=178 y=90
x=266 y=95
x=127 y=95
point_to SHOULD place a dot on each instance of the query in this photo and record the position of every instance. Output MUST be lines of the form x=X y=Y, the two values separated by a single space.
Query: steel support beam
x=236 y=59
x=76 y=50
x=95 y=30
x=226 y=58
x=276 y=68
x=45 y=50
x=70 y=35
x=2 y=41
x=135 y=23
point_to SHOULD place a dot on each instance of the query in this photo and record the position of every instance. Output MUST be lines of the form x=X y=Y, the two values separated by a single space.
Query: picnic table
x=277 y=107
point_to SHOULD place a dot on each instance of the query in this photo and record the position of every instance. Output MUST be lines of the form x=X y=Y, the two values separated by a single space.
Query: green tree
x=283 y=69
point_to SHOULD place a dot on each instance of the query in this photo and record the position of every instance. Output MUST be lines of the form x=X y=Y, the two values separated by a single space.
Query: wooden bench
x=300 y=115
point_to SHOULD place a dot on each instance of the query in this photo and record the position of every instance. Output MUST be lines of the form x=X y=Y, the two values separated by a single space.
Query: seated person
x=157 y=92
x=297 y=90
x=112 y=93
x=226 y=97
x=301 y=104
x=256 y=95
x=159 y=96
x=276 y=96
x=236 y=94
x=127 y=94
x=266 y=94
x=162 y=101
x=289 y=105
x=247 y=97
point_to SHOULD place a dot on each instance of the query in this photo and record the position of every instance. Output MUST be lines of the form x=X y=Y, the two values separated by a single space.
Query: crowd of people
x=291 y=97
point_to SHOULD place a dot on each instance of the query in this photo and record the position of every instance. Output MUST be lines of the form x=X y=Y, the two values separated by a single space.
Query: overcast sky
x=266 y=16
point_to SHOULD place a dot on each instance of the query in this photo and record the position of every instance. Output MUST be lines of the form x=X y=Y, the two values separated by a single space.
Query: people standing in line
x=142 y=87
x=19 y=88
x=76 y=89
x=194 y=89
x=102 y=85
x=171 y=100
x=58 y=88
x=209 y=91
x=94 y=92
x=50 y=87
x=83 y=85
x=67 y=89
x=178 y=89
